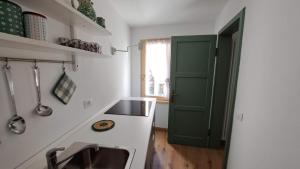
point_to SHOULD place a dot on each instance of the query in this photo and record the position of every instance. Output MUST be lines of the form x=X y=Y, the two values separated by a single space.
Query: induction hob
x=130 y=108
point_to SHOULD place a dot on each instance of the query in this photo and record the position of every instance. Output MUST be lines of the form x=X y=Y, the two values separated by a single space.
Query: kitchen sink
x=99 y=157
x=104 y=158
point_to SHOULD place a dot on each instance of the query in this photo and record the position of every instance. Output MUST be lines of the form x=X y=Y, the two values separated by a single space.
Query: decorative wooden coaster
x=103 y=125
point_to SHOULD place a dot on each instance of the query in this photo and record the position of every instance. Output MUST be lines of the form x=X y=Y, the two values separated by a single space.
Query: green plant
x=86 y=8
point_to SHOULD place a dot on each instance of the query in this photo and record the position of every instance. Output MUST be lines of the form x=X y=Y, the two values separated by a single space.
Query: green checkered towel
x=64 y=89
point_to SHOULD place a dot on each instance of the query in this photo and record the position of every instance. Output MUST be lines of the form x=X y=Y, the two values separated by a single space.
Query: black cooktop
x=130 y=108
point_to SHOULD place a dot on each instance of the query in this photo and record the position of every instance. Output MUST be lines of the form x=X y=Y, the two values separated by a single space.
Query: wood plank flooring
x=167 y=156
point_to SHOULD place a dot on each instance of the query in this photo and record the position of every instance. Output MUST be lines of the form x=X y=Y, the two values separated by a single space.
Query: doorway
x=225 y=85
x=186 y=79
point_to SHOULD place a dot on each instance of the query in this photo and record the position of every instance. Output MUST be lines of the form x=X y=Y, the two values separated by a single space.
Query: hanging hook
x=63 y=66
x=35 y=65
x=6 y=63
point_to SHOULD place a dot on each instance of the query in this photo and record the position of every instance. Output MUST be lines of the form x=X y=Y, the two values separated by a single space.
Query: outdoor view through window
x=157 y=68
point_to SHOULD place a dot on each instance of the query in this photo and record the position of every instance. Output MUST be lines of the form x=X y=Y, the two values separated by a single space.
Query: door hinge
x=209 y=132
x=217 y=52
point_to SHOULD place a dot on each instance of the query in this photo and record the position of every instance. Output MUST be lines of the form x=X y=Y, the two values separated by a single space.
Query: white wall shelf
x=61 y=11
x=17 y=42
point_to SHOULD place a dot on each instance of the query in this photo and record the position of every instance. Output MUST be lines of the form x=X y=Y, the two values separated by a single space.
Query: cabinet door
x=150 y=151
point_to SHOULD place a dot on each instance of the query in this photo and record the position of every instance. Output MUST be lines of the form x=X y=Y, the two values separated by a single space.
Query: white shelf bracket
x=75 y=65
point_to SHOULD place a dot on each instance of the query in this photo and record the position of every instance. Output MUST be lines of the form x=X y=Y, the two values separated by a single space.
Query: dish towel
x=64 y=89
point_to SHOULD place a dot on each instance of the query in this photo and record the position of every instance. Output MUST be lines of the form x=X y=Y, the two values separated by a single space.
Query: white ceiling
x=156 y=12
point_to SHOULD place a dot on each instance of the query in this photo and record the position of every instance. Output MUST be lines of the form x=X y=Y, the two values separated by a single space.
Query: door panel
x=183 y=117
x=190 y=57
x=191 y=91
x=192 y=65
x=189 y=133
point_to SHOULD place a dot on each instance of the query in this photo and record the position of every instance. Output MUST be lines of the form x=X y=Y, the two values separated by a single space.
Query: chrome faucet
x=54 y=163
x=52 y=158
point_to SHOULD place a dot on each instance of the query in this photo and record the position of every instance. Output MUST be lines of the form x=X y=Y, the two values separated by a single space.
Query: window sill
x=160 y=100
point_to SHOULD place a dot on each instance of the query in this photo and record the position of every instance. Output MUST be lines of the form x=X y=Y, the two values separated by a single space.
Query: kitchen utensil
x=40 y=109
x=11 y=20
x=35 y=25
x=16 y=124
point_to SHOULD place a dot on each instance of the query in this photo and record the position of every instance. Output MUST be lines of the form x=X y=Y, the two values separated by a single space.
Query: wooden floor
x=168 y=156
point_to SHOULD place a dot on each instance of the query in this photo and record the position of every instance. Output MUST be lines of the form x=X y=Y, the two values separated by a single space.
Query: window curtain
x=155 y=61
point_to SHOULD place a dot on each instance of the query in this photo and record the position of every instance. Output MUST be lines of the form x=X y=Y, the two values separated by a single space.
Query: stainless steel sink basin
x=101 y=157
x=104 y=158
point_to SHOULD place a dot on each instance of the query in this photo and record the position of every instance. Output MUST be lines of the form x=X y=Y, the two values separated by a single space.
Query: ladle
x=40 y=109
x=16 y=124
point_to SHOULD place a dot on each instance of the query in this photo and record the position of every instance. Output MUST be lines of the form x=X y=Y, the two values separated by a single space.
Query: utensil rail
x=9 y=59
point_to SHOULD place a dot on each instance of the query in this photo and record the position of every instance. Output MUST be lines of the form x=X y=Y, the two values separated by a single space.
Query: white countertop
x=129 y=131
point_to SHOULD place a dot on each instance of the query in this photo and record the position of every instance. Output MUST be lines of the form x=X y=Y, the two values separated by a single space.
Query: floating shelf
x=17 y=42
x=61 y=11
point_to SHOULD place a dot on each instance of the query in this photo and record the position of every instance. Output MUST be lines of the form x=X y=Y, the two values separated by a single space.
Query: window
x=155 y=68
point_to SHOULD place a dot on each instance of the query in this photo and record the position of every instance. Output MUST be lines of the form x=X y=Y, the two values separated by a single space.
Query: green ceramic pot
x=11 y=18
x=101 y=21
x=86 y=8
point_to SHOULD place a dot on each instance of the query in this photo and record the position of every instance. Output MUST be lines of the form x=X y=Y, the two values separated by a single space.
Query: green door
x=192 y=69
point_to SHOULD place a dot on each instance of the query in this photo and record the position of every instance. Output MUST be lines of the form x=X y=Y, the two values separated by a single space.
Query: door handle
x=173 y=94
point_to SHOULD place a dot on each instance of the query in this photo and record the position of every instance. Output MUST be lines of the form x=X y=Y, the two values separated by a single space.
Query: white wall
x=101 y=79
x=161 y=31
x=268 y=90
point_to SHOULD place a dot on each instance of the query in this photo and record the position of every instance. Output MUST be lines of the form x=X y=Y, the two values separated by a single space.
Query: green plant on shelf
x=86 y=8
